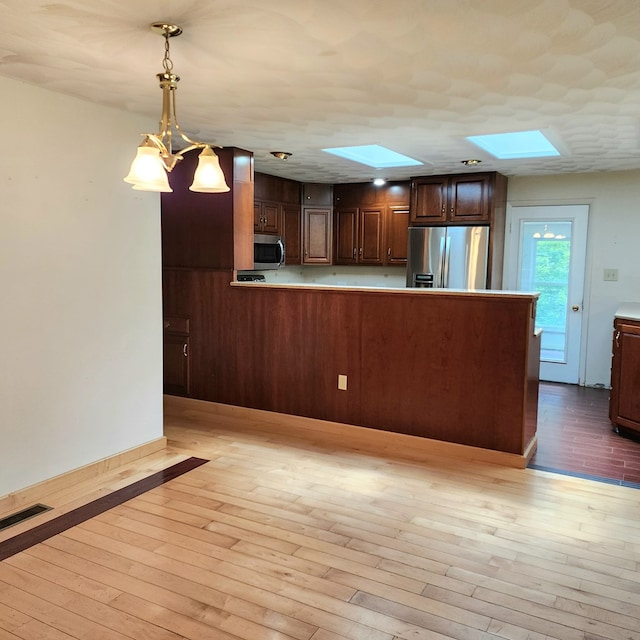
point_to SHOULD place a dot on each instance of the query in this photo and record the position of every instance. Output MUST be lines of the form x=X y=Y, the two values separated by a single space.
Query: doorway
x=547 y=248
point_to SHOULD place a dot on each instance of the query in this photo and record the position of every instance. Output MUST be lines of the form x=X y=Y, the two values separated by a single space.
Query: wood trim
x=349 y=436
x=65 y=521
x=39 y=492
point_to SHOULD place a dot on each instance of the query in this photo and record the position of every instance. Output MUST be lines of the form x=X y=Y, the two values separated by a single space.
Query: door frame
x=508 y=264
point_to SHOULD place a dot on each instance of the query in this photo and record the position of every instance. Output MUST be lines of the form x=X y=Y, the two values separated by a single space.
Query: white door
x=547 y=253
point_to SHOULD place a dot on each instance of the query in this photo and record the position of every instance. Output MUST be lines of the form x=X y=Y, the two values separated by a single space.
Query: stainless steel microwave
x=268 y=252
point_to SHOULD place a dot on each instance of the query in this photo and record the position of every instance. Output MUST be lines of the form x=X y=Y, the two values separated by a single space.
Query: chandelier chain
x=167 y=62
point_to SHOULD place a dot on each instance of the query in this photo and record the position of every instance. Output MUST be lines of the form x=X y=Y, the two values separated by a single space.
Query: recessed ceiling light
x=520 y=144
x=374 y=155
x=281 y=155
x=471 y=163
x=378 y=182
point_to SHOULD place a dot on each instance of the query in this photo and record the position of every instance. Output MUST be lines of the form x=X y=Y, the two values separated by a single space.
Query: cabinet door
x=266 y=217
x=317 y=194
x=429 y=199
x=469 y=197
x=176 y=364
x=371 y=249
x=625 y=399
x=257 y=217
x=346 y=236
x=397 y=235
x=316 y=235
x=291 y=228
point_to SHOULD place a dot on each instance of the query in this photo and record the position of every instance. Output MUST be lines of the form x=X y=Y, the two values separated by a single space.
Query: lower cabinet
x=624 y=405
x=176 y=357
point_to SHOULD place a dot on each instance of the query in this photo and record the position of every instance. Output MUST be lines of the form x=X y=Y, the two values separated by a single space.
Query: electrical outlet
x=342 y=382
x=611 y=275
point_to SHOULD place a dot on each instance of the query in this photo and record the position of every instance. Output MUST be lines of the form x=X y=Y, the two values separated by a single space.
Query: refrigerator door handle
x=445 y=262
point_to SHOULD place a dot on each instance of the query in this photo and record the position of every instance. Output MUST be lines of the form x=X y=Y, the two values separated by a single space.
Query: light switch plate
x=611 y=275
x=342 y=382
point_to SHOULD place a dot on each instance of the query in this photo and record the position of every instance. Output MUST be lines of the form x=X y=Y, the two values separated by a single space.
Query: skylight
x=374 y=155
x=521 y=144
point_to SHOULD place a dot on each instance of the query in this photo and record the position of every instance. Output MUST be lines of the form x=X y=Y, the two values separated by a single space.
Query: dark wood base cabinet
x=176 y=356
x=624 y=406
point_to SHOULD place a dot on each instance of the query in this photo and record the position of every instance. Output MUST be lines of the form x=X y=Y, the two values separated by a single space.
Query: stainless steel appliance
x=448 y=257
x=268 y=252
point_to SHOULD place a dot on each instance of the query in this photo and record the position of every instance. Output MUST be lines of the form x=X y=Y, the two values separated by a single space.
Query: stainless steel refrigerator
x=448 y=257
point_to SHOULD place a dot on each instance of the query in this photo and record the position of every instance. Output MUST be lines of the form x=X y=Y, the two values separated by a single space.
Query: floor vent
x=23 y=515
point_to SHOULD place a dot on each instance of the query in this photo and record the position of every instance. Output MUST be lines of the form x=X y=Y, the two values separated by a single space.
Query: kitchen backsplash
x=348 y=276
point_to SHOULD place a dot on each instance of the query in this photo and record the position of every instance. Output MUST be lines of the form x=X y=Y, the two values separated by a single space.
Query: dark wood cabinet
x=317 y=194
x=371 y=223
x=456 y=199
x=176 y=357
x=266 y=217
x=396 y=231
x=277 y=212
x=624 y=406
x=359 y=235
x=292 y=233
x=316 y=233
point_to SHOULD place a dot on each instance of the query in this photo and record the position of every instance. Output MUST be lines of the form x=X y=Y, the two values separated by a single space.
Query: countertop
x=493 y=293
x=628 y=311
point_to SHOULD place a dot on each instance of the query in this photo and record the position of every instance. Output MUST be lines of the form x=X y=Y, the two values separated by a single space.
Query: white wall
x=614 y=242
x=80 y=284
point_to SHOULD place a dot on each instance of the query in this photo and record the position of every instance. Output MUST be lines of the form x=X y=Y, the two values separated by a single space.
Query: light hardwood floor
x=303 y=536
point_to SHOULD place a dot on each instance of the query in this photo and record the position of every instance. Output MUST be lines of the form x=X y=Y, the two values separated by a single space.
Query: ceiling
x=417 y=76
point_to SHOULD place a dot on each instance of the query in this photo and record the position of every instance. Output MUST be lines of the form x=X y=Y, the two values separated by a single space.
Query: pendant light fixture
x=155 y=156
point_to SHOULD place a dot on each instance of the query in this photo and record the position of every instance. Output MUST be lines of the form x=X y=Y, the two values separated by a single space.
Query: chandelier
x=156 y=157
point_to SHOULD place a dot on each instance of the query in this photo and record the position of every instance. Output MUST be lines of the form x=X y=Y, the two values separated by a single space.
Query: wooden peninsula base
x=455 y=367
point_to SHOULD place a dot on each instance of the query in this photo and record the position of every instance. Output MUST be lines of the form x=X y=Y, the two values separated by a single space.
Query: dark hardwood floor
x=576 y=437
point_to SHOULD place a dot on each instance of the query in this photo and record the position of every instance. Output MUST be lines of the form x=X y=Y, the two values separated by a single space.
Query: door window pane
x=546 y=256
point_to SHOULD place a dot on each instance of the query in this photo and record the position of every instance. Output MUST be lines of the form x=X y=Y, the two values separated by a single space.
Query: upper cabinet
x=267 y=217
x=370 y=223
x=456 y=199
x=276 y=209
x=317 y=223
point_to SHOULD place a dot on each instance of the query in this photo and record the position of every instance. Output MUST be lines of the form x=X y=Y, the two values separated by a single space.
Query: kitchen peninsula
x=447 y=366
x=458 y=367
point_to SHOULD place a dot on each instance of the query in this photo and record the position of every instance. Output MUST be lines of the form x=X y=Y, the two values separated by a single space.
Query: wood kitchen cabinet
x=359 y=235
x=266 y=217
x=317 y=223
x=176 y=356
x=317 y=226
x=277 y=211
x=370 y=223
x=624 y=404
x=456 y=199
x=292 y=233
x=397 y=220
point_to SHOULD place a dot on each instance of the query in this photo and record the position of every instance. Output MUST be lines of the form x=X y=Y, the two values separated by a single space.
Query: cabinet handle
x=389 y=253
x=360 y=250
x=354 y=252
x=451 y=209
x=443 y=209
x=185 y=350
x=617 y=339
